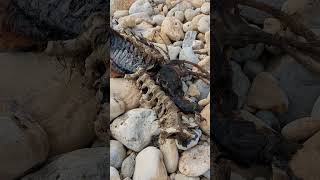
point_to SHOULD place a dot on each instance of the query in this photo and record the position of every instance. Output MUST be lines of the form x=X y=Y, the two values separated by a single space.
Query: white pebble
x=114 y=174
x=117 y=153
x=188 y=55
x=179 y=15
x=205 y=8
x=174 y=52
x=204 y=24
x=187 y=27
x=141 y=6
x=120 y=13
x=170 y=154
x=158 y=19
x=189 y=14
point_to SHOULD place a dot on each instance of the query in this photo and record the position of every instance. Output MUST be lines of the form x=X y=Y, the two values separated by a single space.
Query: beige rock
x=197 y=3
x=172 y=27
x=189 y=14
x=179 y=15
x=266 y=94
x=67 y=114
x=183 y=177
x=205 y=8
x=127 y=21
x=120 y=13
x=301 y=129
x=305 y=163
x=170 y=154
x=195 y=161
x=23 y=142
x=205 y=124
x=193 y=91
x=187 y=27
x=117 y=107
x=150 y=165
x=126 y=91
x=116 y=5
x=204 y=24
x=195 y=21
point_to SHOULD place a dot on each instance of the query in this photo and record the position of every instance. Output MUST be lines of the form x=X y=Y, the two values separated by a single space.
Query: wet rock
x=252 y=68
x=295 y=80
x=257 y=16
x=117 y=107
x=265 y=94
x=170 y=155
x=204 y=24
x=315 y=113
x=301 y=129
x=90 y=163
x=183 y=177
x=126 y=91
x=195 y=161
x=127 y=168
x=305 y=163
x=240 y=83
x=23 y=142
x=251 y=52
x=270 y=119
x=114 y=174
x=150 y=165
x=205 y=124
x=172 y=27
x=117 y=153
x=187 y=144
x=135 y=128
x=141 y=6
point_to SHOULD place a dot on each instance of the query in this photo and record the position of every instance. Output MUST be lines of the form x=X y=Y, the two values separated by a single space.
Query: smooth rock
x=205 y=124
x=251 y=52
x=197 y=3
x=89 y=163
x=195 y=21
x=183 y=177
x=116 y=5
x=117 y=153
x=24 y=144
x=172 y=27
x=170 y=155
x=301 y=129
x=295 y=80
x=150 y=165
x=305 y=163
x=240 y=83
x=195 y=161
x=127 y=167
x=135 y=128
x=269 y=118
x=141 y=6
x=189 y=14
x=315 y=113
x=204 y=24
x=189 y=143
x=252 y=68
x=205 y=8
x=188 y=55
x=114 y=174
x=117 y=107
x=197 y=44
x=158 y=19
x=126 y=91
x=127 y=21
x=187 y=27
x=181 y=6
x=203 y=88
x=120 y=13
x=265 y=94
